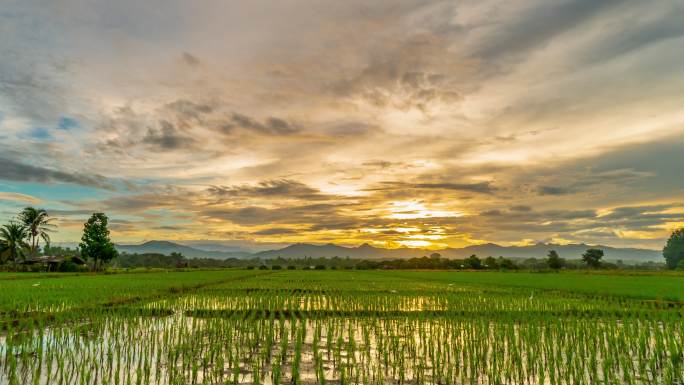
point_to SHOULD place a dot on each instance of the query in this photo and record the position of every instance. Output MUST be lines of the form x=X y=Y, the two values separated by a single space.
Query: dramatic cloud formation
x=402 y=123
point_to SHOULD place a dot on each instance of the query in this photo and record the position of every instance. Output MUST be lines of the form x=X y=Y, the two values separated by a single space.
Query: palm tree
x=37 y=223
x=12 y=242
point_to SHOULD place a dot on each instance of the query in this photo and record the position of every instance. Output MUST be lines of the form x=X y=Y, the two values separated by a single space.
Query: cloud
x=270 y=126
x=170 y=228
x=530 y=119
x=190 y=59
x=479 y=187
x=20 y=172
x=521 y=208
x=69 y=213
x=17 y=197
x=537 y=24
x=169 y=199
x=255 y=215
x=277 y=231
x=554 y=190
x=167 y=137
x=282 y=189
x=649 y=30
x=410 y=72
x=189 y=109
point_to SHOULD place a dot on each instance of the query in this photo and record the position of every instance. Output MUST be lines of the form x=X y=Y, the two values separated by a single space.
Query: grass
x=53 y=292
x=644 y=286
x=342 y=327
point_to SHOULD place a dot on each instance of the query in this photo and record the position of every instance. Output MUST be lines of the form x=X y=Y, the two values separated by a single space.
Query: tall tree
x=13 y=242
x=473 y=262
x=37 y=223
x=592 y=257
x=553 y=260
x=674 y=249
x=95 y=243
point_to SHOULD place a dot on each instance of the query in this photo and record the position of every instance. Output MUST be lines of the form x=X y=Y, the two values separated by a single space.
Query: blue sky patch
x=66 y=123
x=39 y=133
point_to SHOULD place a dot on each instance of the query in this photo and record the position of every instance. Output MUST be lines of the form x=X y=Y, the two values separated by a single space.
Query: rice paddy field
x=341 y=327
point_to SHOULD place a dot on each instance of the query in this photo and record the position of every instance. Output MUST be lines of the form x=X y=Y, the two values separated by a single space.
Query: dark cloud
x=69 y=213
x=166 y=138
x=491 y=213
x=589 y=180
x=168 y=197
x=283 y=188
x=188 y=109
x=521 y=208
x=554 y=190
x=480 y=187
x=20 y=172
x=642 y=217
x=277 y=231
x=381 y=164
x=170 y=228
x=190 y=59
x=270 y=126
x=256 y=215
x=650 y=170
x=585 y=225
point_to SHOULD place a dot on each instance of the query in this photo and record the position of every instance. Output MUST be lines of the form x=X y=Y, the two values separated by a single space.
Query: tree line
x=432 y=262
x=20 y=241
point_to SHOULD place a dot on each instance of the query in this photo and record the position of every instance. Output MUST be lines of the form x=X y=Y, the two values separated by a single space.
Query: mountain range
x=166 y=247
x=366 y=251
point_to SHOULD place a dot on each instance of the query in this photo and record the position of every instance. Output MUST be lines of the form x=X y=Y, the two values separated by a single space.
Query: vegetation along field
x=340 y=327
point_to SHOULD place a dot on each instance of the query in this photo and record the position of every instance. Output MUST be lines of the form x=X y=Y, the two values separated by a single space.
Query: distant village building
x=52 y=262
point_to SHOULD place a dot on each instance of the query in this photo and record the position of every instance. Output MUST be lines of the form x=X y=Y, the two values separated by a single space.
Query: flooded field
x=344 y=327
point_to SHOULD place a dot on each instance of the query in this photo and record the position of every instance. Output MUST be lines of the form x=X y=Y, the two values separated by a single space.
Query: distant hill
x=166 y=247
x=208 y=245
x=330 y=250
x=572 y=251
x=365 y=251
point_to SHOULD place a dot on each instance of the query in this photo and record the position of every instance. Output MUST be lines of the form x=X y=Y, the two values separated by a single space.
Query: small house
x=52 y=262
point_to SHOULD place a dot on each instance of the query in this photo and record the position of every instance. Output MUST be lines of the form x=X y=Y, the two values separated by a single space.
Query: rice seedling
x=242 y=327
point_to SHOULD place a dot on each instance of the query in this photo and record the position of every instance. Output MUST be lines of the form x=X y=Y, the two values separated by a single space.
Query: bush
x=320 y=267
x=263 y=267
x=680 y=265
x=276 y=267
x=292 y=267
x=68 y=267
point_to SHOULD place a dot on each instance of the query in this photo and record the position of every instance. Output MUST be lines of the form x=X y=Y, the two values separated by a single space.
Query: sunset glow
x=265 y=123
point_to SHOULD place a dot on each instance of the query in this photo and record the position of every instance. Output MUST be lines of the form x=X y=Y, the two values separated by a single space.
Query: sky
x=405 y=123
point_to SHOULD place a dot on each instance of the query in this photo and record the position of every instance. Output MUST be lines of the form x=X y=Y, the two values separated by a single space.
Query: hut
x=52 y=262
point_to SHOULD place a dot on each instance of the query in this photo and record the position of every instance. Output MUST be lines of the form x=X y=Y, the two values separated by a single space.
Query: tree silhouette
x=592 y=257
x=554 y=261
x=12 y=242
x=674 y=249
x=37 y=224
x=95 y=243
